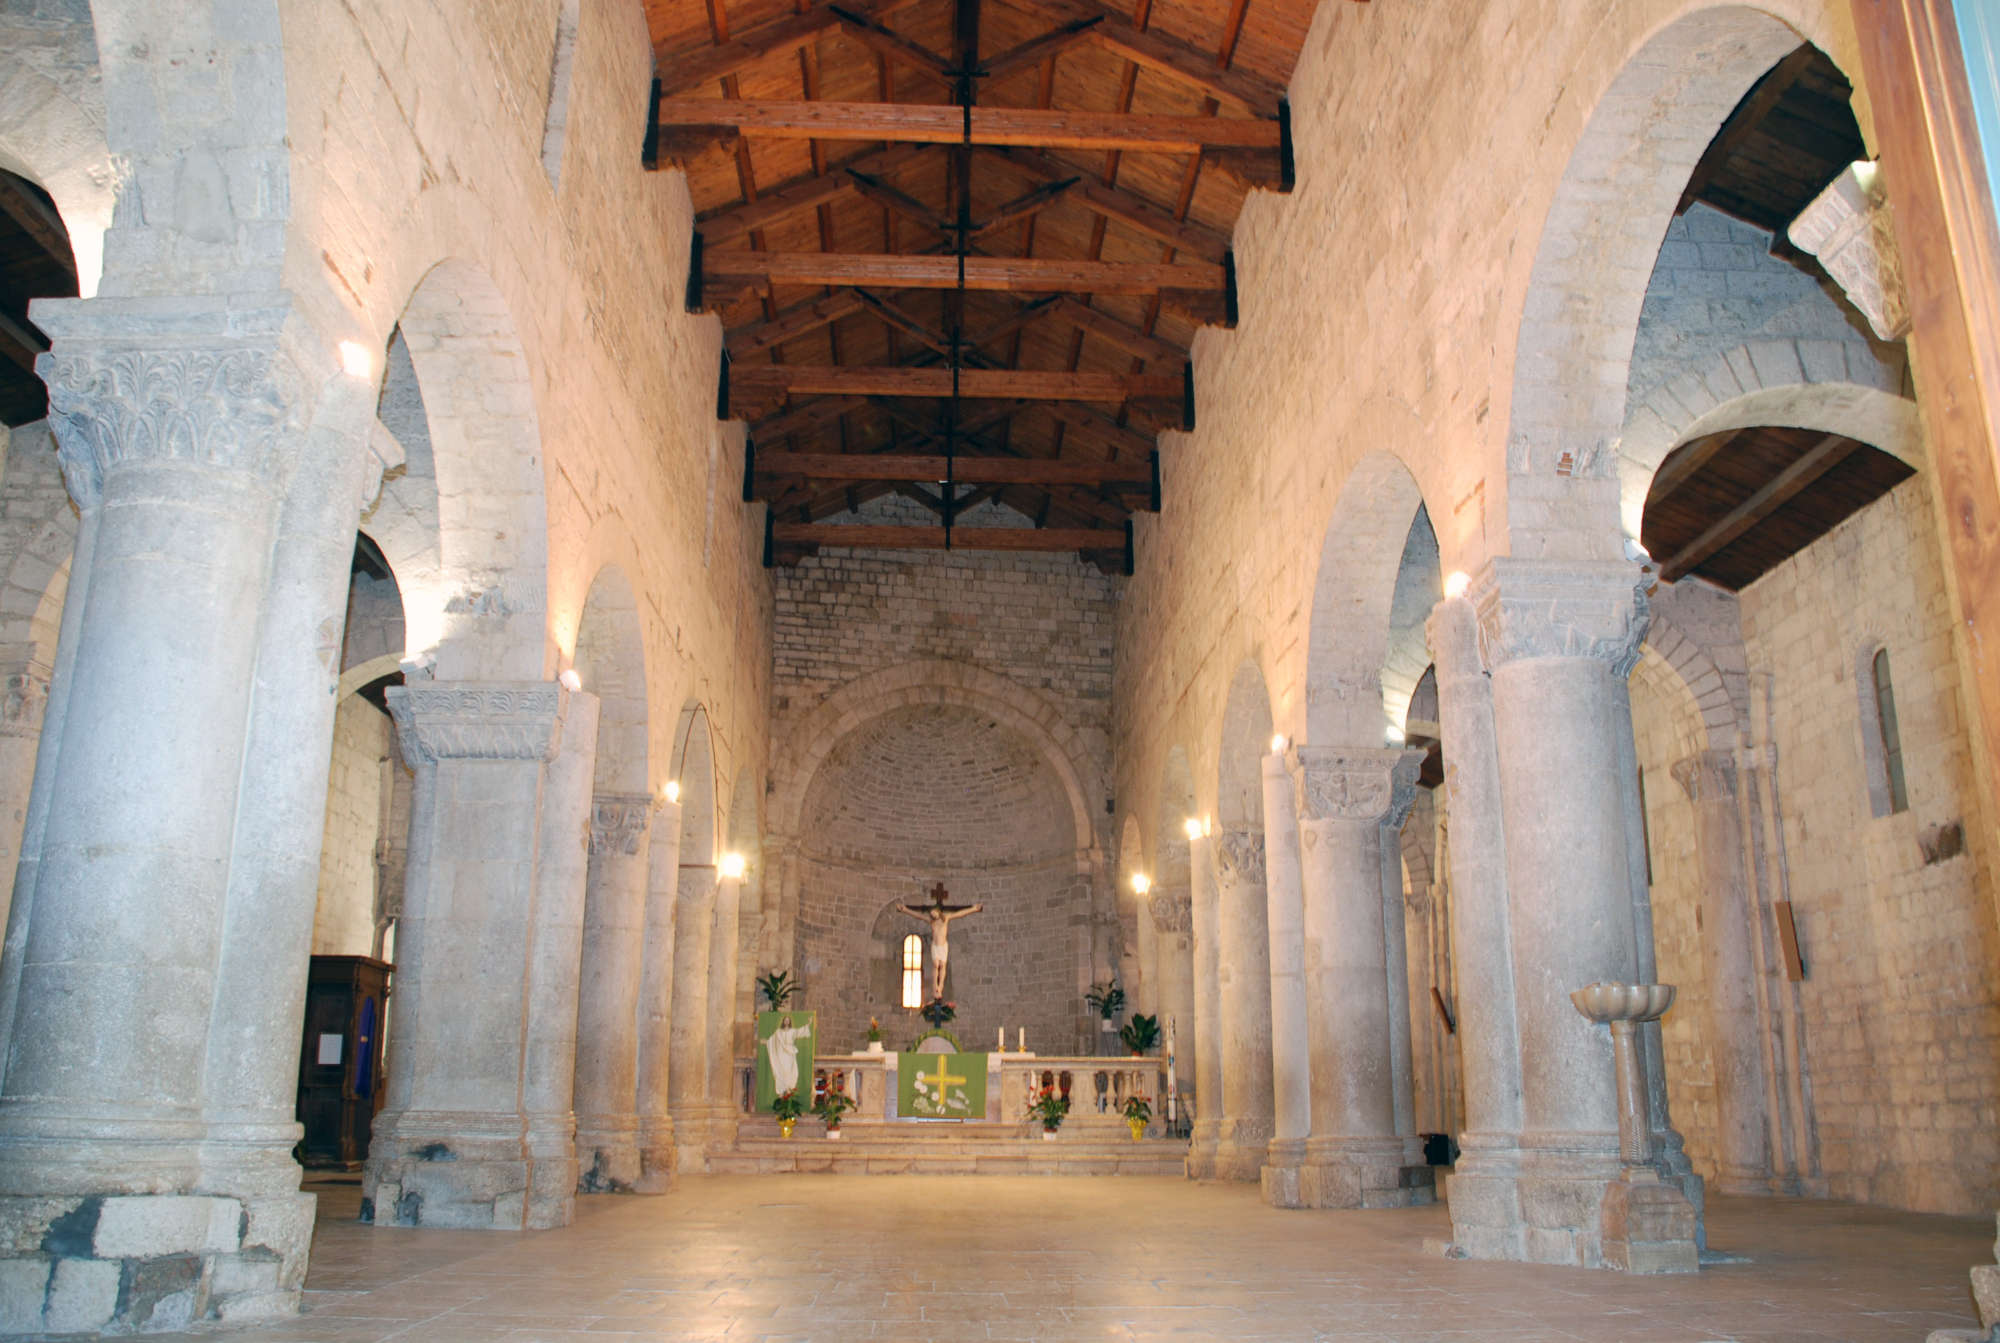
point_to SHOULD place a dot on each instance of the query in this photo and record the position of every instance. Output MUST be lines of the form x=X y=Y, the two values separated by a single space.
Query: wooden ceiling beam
x=1684 y=462
x=925 y=123
x=705 y=67
x=1038 y=49
x=1744 y=121
x=793 y=322
x=902 y=202
x=804 y=419
x=764 y=380
x=805 y=193
x=1100 y=428
x=962 y=469
x=38 y=220
x=1028 y=203
x=1125 y=207
x=1780 y=490
x=1177 y=60
x=1127 y=338
x=1005 y=274
x=863 y=28
x=935 y=538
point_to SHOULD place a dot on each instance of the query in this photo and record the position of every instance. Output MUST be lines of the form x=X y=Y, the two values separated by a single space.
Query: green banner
x=785 y=1043
x=941 y=1086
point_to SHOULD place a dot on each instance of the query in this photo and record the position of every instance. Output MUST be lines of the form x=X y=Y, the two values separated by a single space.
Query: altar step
x=970 y=1148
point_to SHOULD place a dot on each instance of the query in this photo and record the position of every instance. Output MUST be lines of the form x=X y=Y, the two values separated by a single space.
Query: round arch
x=54 y=135
x=1246 y=736
x=1354 y=594
x=694 y=768
x=1596 y=253
x=611 y=660
x=938 y=682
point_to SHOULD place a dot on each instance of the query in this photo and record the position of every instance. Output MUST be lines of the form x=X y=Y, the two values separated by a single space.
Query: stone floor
x=793 y=1257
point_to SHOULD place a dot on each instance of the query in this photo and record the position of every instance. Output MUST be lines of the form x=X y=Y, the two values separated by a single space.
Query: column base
x=1279 y=1179
x=657 y=1156
x=691 y=1140
x=1363 y=1173
x=124 y=1263
x=1200 y=1163
x=468 y=1170
x=1648 y=1226
x=1240 y=1150
x=1541 y=1205
x=607 y=1154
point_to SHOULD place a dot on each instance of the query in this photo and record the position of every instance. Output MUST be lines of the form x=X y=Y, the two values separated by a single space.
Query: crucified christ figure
x=939 y=916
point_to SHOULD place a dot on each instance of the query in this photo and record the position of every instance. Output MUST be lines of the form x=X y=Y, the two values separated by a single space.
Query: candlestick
x=1021 y=1044
x=1002 y=1045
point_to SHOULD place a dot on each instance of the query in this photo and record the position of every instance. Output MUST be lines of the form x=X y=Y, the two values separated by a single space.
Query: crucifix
x=939 y=916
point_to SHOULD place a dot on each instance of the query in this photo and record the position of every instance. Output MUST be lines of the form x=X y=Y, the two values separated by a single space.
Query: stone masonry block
x=83 y=1296
x=25 y=1222
x=24 y=1285
x=143 y=1226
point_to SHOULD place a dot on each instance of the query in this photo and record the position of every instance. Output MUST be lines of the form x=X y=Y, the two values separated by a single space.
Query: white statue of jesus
x=782 y=1048
x=939 y=916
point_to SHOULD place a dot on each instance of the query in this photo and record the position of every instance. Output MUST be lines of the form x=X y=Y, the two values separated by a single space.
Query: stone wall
x=344 y=924
x=1902 y=1014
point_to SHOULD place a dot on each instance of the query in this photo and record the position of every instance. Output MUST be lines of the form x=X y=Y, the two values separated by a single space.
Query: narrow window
x=1892 y=740
x=913 y=971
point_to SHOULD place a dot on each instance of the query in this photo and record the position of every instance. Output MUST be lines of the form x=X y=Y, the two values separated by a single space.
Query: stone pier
x=1291 y=1054
x=613 y=964
x=687 y=1069
x=656 y=995
x=1245 y=990
x=1207 y=1010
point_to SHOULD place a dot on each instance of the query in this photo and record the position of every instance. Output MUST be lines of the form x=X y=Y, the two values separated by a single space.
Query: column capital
x=1707 y=776
x=1337 y=783
x=1531 y=609
x=1848 y=228
x=1239 y=854
x=198 y=380
x=24 y=697
x=1172 y=911
x=618 y=820
x=478 y=720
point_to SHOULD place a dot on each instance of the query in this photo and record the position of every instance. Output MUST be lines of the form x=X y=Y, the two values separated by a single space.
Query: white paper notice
x=329 y=1049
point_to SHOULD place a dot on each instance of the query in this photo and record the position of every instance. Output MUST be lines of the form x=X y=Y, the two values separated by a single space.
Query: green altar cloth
x=940 y=1086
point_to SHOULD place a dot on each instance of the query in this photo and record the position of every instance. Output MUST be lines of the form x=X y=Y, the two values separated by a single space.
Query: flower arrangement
x=830 y=1108
x=874 y=1031
x=1105 y=999
x=777 y=986
x=1048 y=1107
x=788 y=1107
x=937 y=1011
x=1139 y=1108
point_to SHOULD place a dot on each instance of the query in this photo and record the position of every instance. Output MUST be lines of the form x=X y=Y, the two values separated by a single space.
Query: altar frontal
x=941 y=1086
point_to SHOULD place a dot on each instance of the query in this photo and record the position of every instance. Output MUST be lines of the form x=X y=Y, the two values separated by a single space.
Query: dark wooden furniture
x=340 y=1058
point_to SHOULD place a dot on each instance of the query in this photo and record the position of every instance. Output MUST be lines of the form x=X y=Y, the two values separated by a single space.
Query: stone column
x=471 y=1080
x=724 y=961
x=24 y=695
x=608 y=1005
x=1485 y=1204
x=177 y=420
x=1291 y=1056
x=1560 y=637
x=656 y=993
x=1349 y=804
x=1207 y=959
x=1245 y=982
x=1742 y=1155
x=1171 y=916
x=1396 y=977
x=1140 y=968
x=687 y=1069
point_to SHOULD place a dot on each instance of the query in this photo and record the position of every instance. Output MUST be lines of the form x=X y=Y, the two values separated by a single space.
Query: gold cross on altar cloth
x=943 y=1078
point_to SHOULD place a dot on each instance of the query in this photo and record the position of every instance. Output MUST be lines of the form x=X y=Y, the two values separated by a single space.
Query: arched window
x=1881 y=738
x=913 y=971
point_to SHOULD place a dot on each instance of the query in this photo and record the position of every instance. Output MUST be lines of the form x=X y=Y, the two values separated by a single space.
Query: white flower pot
x=1048 y=1135
x=833 y=1135
x=874 y=1046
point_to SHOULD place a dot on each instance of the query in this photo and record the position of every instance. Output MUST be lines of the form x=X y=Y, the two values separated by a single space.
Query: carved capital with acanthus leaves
x=1707 y=776
x=1239 y=855
x=1530 y=609
x=1334 y=783
x=135 y=382
x=1848 y=228
x=618 y=821
x=478 y=720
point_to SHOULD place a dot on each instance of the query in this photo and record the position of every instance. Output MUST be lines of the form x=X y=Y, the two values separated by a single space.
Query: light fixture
x=1455 y=584
x=1277 y=743
x=1141 y=883
x=1194 y=827
x=570 y=680
x=672 y=792
x=732 y=867
x=355 y=360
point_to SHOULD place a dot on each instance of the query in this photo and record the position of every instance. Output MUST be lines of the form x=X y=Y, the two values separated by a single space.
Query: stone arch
x=756 y=924
x=1595 y=257
x=1799 y=384
x=482 y=613
x=52 y=131
x=694 y=768
x=611 y=660
x=938 y=682
x=1246 y=738
x=1707 y=689
x=562 y=63
x=1354 y=596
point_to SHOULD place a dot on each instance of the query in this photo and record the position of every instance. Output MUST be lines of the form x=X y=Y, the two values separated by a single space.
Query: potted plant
x=1138 y=1114
x=777 y=986
x=874 y=1036
x=788 y=1108
x=1048 y=1107
x=1141 y=1033
x=937 y=1011
x=830 y=1107
x=1105 y=999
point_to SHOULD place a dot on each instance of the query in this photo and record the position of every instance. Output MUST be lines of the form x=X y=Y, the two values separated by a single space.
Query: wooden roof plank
x=906 y=537
x=965 y=470
x=1006 y=274
x=971 y=383
x=1822 y=457
x=925 y=123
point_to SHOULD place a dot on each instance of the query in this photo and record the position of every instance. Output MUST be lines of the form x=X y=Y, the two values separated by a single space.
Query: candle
x=1021 y=1045
x=1002 y=1045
